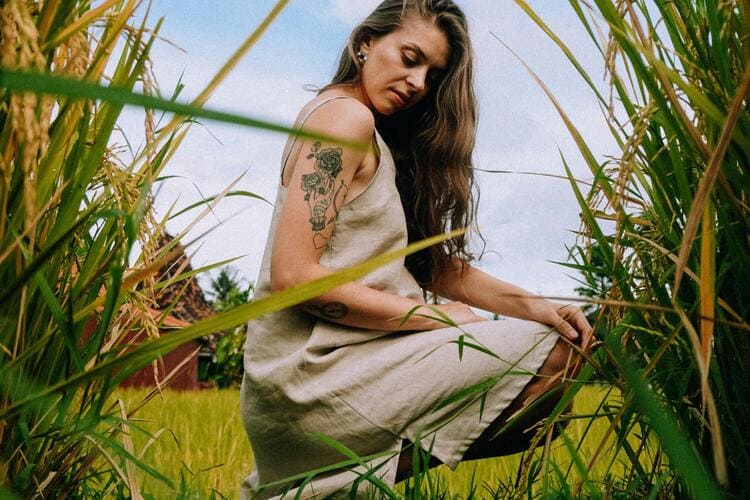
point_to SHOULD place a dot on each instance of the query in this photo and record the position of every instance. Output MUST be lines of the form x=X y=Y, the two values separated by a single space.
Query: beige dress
x=370 y=389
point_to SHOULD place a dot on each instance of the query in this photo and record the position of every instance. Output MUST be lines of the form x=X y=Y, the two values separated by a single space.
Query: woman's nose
x=417 y=79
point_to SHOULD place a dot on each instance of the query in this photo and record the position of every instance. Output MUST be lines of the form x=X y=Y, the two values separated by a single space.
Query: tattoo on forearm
x=330 y=310
x=320 y=191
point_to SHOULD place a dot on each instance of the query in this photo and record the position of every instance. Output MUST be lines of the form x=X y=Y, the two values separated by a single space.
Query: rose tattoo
x=319 y=190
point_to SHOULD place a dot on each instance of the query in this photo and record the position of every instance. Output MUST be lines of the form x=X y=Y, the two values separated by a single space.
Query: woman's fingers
x=566 y=330
x=584 y=327
x=588 y=335
x=577 y=320
x=580 y=322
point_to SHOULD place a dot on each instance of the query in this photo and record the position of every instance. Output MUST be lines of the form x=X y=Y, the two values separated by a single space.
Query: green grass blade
x=681 y=452
x=142 y=354
x=209 y=199
x=57 y=85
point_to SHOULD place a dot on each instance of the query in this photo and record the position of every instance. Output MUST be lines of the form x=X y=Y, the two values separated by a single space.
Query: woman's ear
x=364 y=44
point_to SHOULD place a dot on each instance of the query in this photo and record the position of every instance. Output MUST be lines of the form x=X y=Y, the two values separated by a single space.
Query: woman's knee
x=561 y=364
x=562 y=360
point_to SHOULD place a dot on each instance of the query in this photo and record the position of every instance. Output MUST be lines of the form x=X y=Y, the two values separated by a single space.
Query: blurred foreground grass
x=201 y=444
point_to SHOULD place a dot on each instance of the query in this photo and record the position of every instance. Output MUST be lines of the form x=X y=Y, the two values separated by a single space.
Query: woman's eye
x=408 y=60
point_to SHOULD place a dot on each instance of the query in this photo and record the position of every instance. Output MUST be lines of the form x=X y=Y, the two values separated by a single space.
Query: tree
x=224 y=367
x=227 y=291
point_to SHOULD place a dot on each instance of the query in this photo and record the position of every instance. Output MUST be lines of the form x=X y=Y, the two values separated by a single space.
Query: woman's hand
x=569 y=321
x=458 y=312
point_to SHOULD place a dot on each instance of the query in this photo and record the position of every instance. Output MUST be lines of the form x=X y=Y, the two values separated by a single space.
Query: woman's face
x=404 y=65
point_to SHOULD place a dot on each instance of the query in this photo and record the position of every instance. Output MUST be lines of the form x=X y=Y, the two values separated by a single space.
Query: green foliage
x=171 y=431
x=199 y=459
x=227 y=291
x=675 y=315
x=225 y=368
x=597 y=282
x=69 y=217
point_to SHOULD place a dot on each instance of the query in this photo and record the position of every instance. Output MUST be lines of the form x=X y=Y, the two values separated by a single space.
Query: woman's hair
x=431 y=142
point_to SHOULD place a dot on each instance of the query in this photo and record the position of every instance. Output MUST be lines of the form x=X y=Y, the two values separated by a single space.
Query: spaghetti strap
x=290 y=146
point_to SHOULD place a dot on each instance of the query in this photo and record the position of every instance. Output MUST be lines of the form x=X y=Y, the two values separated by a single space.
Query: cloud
x=350 y=12
x=526 y=220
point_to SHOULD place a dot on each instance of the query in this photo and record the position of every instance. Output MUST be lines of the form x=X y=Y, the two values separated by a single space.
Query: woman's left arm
x=478 y=289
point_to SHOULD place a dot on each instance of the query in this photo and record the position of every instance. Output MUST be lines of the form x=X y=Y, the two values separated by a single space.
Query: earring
x=362 y=56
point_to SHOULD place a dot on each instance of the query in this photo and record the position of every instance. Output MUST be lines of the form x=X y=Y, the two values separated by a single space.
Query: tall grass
x=69 y=216
x=668 y=220
x=198 y=439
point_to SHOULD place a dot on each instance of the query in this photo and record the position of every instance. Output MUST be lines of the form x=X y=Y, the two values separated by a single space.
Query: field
x=661 y=251
x=202 y=444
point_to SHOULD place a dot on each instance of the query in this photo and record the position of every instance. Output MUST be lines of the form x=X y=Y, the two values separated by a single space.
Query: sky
x=527 y=221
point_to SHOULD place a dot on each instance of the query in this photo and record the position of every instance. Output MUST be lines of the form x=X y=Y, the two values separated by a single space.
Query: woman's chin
x=387 y=109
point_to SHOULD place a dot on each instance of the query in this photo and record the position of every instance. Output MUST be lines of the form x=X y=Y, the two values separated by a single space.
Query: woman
x=344 y=364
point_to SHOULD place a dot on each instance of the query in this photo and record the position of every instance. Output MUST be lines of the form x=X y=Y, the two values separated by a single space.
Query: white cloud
x=351 y=12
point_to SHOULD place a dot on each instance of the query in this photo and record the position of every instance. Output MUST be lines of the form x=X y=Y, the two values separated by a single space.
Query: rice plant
x=70 y=213
x=667 y=220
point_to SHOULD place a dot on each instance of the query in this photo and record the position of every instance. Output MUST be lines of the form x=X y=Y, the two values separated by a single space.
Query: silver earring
x=362 y=56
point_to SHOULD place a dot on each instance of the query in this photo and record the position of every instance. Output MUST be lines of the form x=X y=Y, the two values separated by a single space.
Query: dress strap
x=290 y=146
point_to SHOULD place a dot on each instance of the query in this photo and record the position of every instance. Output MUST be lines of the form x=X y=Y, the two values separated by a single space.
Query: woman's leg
x=561 y=363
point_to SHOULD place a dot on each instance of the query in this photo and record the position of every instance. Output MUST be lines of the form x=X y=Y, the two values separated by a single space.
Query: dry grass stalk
x=612 y=50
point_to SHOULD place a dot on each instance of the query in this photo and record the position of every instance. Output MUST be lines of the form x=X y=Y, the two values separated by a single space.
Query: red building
x=177 y=369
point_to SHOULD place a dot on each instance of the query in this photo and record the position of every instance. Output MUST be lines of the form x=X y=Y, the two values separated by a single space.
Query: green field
x=201 y=440
x=662 y=249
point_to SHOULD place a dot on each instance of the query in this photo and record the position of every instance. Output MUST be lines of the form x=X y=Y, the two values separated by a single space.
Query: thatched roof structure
x=191 y=304
x=186 y=304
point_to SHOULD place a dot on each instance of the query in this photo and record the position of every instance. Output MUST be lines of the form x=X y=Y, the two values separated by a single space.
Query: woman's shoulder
x=336 y=113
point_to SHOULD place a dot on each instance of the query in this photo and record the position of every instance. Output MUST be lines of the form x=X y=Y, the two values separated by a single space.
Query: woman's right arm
x=318 y=188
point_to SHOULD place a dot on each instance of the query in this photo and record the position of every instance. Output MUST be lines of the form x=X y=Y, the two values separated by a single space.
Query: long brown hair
x=432 y=142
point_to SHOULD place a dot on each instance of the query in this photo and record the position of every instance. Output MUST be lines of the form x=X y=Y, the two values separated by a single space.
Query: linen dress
x=370 y=389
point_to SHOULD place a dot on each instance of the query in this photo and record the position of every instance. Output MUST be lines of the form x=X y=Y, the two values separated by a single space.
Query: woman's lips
x=397 y=97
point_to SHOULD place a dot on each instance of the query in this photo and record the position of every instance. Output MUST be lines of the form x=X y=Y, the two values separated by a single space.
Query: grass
x=666 y=221
x=673 y=314
x=201 y=441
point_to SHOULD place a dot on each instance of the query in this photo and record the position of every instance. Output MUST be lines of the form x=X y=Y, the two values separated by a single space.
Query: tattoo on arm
x=320 y=192
x=330 y=310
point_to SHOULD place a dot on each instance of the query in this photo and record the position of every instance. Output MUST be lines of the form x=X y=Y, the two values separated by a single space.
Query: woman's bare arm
x=319 y=185
x=479 y=289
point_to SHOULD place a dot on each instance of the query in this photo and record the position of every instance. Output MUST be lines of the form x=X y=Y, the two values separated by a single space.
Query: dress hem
x=451 y=455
